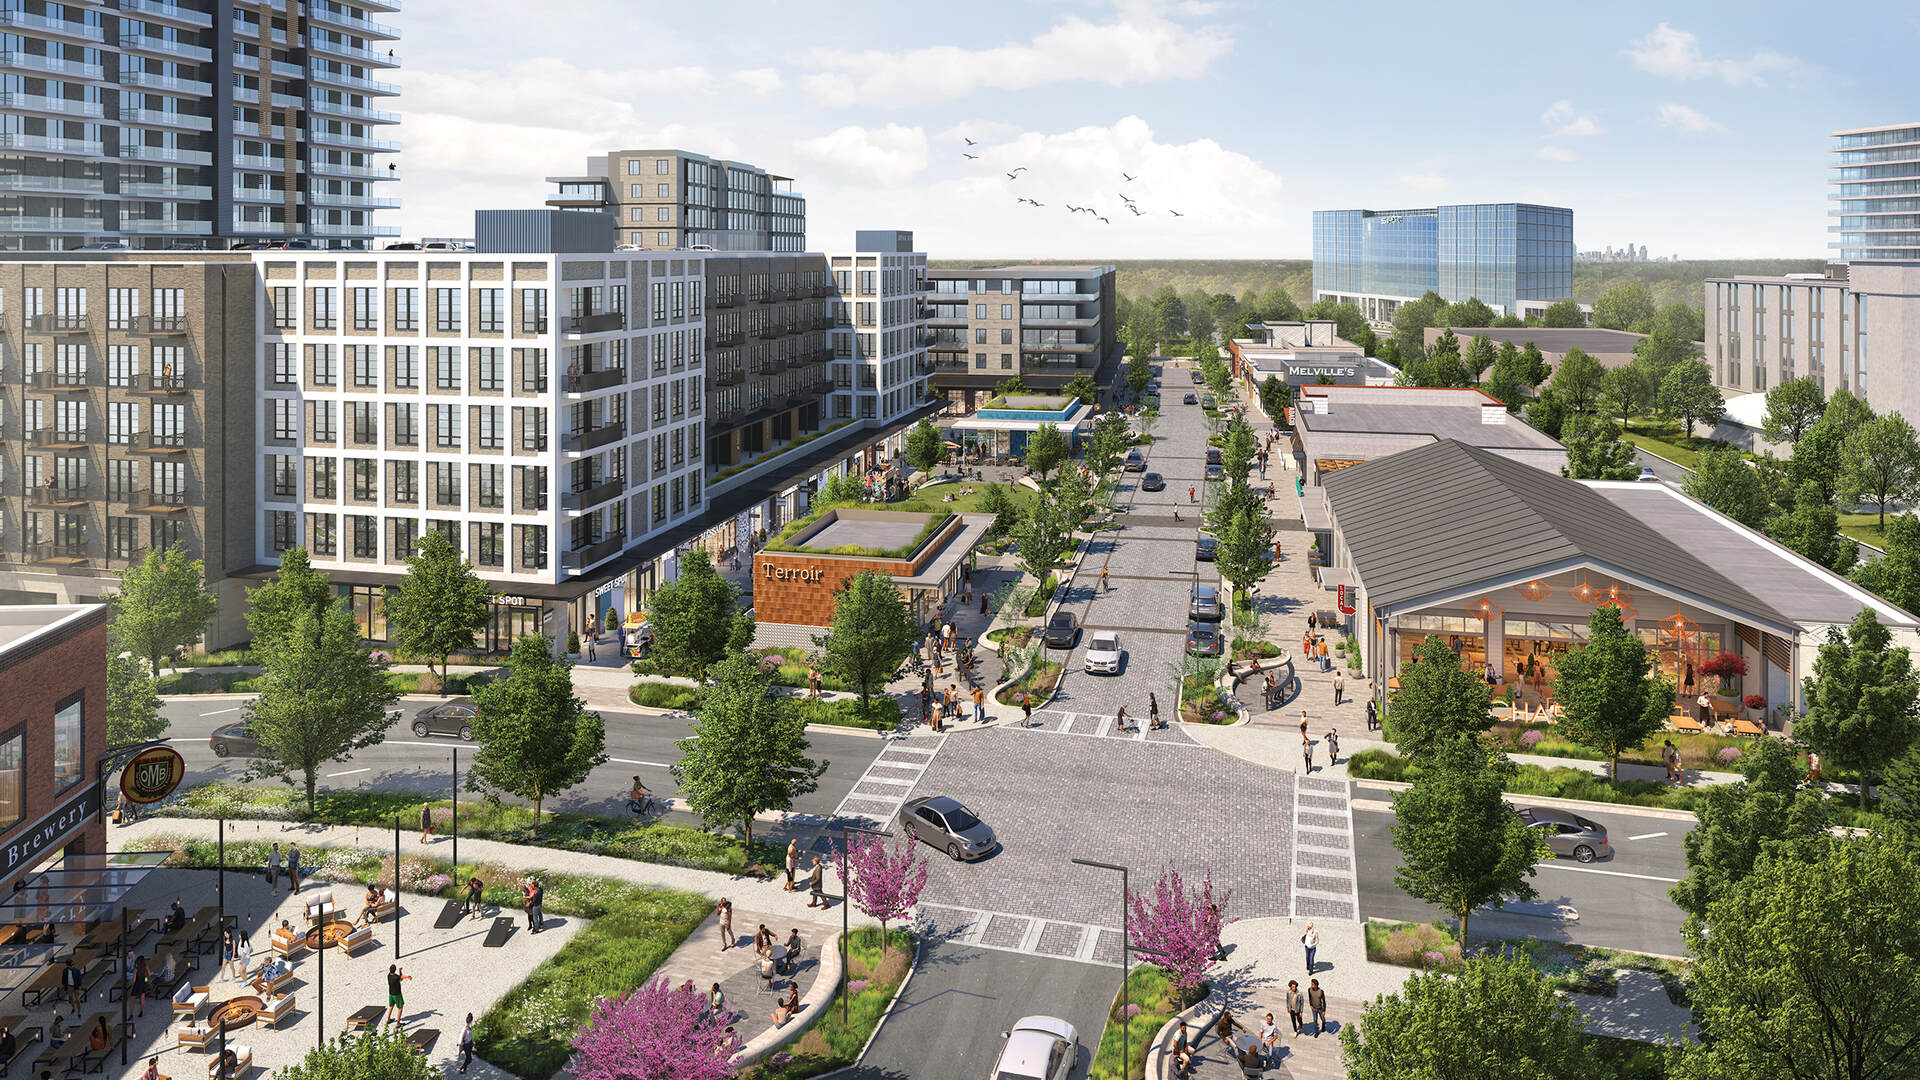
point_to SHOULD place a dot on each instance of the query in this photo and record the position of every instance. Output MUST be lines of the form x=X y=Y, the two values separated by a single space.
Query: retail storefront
x=926 y=555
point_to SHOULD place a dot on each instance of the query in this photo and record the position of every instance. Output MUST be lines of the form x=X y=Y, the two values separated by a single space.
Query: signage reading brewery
x=152 y=775
x=31 y=843
x=776 y=572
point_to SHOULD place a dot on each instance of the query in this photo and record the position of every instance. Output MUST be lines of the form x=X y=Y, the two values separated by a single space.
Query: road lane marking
x=1381 y=806
x=349 y=772
x=443 y=744
x=625 y=761
x=221 y=712
x=1646 y=836
x=1609 y=873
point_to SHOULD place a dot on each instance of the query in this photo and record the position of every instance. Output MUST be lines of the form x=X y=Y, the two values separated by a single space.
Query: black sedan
x=1215 y=472
x=1203 y=640
x=1205 y=547
x=947 y=825
x=1190 y=400
x=1062 y=630
x=452 y=718
x=1152 y=482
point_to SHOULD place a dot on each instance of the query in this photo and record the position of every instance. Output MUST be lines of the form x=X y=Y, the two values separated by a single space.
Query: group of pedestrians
x=1332 y=739
x=1124 y=720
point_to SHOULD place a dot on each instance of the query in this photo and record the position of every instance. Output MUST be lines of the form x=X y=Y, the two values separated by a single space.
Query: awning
x=1332 y=577
x=80 y=888
x=1313 y=511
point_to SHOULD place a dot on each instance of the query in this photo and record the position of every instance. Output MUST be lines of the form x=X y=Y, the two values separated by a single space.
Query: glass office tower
x=1876 y=201
x=1504 y=254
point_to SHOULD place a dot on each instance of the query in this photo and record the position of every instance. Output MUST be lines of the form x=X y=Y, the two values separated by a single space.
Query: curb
x=1565 y=804
x=812 y=729
x=813 y=1008
x=1156 y=1063
x=919 y=943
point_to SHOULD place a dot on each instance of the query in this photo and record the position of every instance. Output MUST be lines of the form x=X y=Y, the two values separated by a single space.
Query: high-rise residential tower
x=193 y=123
x=1876 y=194
x=1045 y=324
x=667 y=199
x=1513 y=257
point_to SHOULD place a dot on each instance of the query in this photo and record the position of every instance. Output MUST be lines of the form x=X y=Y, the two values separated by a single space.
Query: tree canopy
x=748 y=750
x=162 y=605
x=1687 y=393
x=1624 y=305
x=1860 y=700
x=441 y=603
x=1723 y=480
x=1610 y=703
x=1496 y=1018
x=1046 y=449
x=133 y=702
x=1461 y=846
x=926 y=449
x=871 y=636
x=296 y=588
x=1563 y=313
x=321 y=698
x=1767 y=810
x=696 y=617
x=1595 y=450
x=536 y=738
x=1896 y=575
x=1436 y=700
x=1883 y=461
x=1577 y=380
x=1793 y=407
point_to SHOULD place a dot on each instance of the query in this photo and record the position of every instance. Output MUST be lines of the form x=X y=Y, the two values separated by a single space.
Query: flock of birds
x=1093 y=212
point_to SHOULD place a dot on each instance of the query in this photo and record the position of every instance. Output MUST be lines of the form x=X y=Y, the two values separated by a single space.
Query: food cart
x=639 y=635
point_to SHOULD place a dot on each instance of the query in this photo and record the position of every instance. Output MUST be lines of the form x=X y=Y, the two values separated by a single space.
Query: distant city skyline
x=1682 y=131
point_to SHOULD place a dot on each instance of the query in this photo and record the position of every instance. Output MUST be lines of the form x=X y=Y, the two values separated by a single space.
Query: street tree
x=321 y=698
x=1896 y=575
x=696 y=617
x=1244 y=555
x=841 y=487
x=1043 y=537
x=441 y=603
x=1769 y=810
x=926 y=448
x=1860 y=701
x=1563 y=313
x=1548 y=412
x=1178 y=928
x=1595 y=450
x=1883 y=461
x=1792 y=408
x=1229 y=502
x=656 y=1031
x=1688 y=394
x=1468 y=314
x=1169 y=312
x=1077 y=493
x=884 y=883
x=1436 y=701
x=1808 y=968
x=1494 y=1018
x=162 y=605
x=871 y=636
x=1461 y=846
x=1577 y=380
x=1275 y=397
x=995 y=499
x=1723 y=480
x=1809 y=526
x=1083 y=387
x=1107 y=447
x=133 y=702
x=1139 y=373
x=1629 y=389
x=536 y=737
x=296 y=589
x=379 y=1054
x=1623 y=306
x=1820 y=455
x=1610 y=703
x=1478 y=357
x=748 y=751
x=1046 y=449
x=1236 y=458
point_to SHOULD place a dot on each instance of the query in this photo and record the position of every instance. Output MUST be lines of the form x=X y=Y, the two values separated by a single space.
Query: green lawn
x=1668 y=441
x=1865 y=528
x=238 y=682
x=1151 y=1002
x=933 y=494
x=832 y=1043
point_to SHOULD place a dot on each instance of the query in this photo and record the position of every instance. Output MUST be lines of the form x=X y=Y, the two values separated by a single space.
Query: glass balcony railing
x=50 y=65
x=165 y=47
x=140 y=152
x=147 y=80
x=64 y=185
x=41 y=24
x=36 y=103
x=174 y=12
x=50 y=144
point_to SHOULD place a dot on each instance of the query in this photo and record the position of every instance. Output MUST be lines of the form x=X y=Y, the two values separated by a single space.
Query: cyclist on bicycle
x=638 y=793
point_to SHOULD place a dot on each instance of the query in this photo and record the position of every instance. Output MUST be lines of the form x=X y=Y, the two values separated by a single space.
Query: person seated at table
x=274 y=968
x=763 y=940
x=1250 y=1057
x=793 y=951
x=153 y=1069
x=1492 y=675
x=370 y=911
x=176 y=918
x=101 y=1036
x=169 y=969
x=9 y=1045
x=57 y=1034
x=784 y=1011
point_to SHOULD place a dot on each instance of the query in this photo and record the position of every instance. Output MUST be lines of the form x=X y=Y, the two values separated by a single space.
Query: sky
x=1699 y=128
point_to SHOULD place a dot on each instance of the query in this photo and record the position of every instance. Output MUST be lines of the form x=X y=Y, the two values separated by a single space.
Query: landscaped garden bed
x=1038 y=684
x=1558 y=783
x=1202 y=703
x=1150 y=1001
x=1574 y=969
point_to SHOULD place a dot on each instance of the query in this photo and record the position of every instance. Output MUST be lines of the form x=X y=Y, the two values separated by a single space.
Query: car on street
x=1205 y=547
x=1568 y=833
x=1205 y=603
x=231 y=739
x=1103 y=653
x=1194 y=374
x=1038 y=1048
x=1190 y=399
x=1215 y=456
x=1647 y=475
x=1207 y=401
x=1215 y=472
x=1203 y=639
x=1136 y=462
x=451 y=718
x=1152 y=482
x=947 y=825
x=1062 y=630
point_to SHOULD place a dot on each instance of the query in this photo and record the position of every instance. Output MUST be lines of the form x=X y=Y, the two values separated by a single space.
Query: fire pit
x=235 y=1012
x=329 y=933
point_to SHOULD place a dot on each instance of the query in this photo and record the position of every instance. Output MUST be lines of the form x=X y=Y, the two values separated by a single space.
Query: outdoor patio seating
x=276 y=1011
x=360 y=936
x=23 y=1040
x=189 y=998
x=194 y=1037
x=265 y=984
x=287 y=945
x=243 y=1061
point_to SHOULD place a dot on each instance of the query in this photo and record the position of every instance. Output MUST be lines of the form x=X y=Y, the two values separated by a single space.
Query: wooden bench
x=287 y=946
x=1685 y=723
x=91 y=1060
x=193 y=1037
x=189 y=998
x=497 y=936
x=1747 y=727
x=313 y=909
x=275 y=1011
x=47 y=982
x=242 y=1063
x=22 y=1040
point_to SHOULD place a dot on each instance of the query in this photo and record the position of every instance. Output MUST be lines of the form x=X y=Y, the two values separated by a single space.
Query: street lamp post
x=1124 y=926
x=456 y=813
x=322 y=908
x=845 y=916
x=396 y=888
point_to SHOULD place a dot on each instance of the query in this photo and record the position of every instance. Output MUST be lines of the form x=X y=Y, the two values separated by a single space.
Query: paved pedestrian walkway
x=736 y=968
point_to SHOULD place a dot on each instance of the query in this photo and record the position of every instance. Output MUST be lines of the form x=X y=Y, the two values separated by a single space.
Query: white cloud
x=1562 y=118
x=890 y=155
x=1556 y=153
x=1139 y=45
x=1423 y=181
x=977 y=130
x=762 y=81
x=546 y=91
x=1687 y=118
x=1676 y=54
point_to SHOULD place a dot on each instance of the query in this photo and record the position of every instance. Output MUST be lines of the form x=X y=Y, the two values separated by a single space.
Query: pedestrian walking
x=983 y=603
x=1671 y=759
x=536 y=899
x=1104 y=587
x=1339 y=686
x=1312 y=618
x=1296 y=1005
x=817 y=896
x=1153 y=711
x=1306 y=752
x=926 y=704
x=273 y=865
x=934 y=720
x=1333 y=746
x=426 y=822
x=1310 y=939
x=1317 y=1001
x=1026 y=711
x=1326 y=664
x=1190 y=497
x=793 y=861
x=979 y=705
x=466 y=1044
x=1270 y=690
x=396 y=1001
x=70 y=981
x=1373 y=715
x=242 y=954
x=724 y=911
x=1303 y=723
x=293 y=868
x=1121 y=721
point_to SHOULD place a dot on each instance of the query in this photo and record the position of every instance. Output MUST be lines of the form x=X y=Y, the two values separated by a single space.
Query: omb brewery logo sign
x=152 y=775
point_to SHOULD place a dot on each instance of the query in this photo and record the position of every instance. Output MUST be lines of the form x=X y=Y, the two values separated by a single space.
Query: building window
x=123 y=365
x=67 y=755
x=533 y=546
x=326 y=473
x=280 y=527
x=406 y=309
x=366 y=536
x=366 y=426
x=13 y=779
x=324 y=426
x=366 y=309
x=446 y=310
x=489 y=310
x=489 y=550
x=446 y=484
x=284 y=481
x=446 y=426
x=489 y=491
x=324 y=361
x=662 y=166
x=406 y=428
x=533 y=311
x=286 y=310
x=326 y=315
x=286 y=365
x=365 y=479
x=285 y=422
x=446 y=367
x=406 y=366
x=487 y=428
x=489 y=369
x=322 y=528
x=661 y=239
x=532 y=365
x=402 y=532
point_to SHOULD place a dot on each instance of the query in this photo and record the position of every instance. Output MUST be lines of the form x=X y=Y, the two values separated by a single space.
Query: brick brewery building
x=795 y=577
x=53 y=676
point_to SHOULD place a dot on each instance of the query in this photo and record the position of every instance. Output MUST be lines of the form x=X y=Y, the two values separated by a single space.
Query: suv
x=453 y=718
x=1062 y=630
x=1136 y=462
x=1204 y=548
x=1205 y=603
x=1215 y=457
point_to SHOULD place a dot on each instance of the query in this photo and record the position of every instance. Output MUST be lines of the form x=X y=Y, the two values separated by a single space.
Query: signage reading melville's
x=26 y=847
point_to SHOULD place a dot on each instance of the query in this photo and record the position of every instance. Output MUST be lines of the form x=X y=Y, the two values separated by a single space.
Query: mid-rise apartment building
x=665 y=199
x=1855 y=327
x=1513 y=257
x=1875 y=204
x=191 y=123
x=1046 y=324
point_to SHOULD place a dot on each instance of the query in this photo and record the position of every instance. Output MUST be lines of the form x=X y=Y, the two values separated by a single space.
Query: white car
x=1038 y=1048
x=1647 y=475
x=1103 y=653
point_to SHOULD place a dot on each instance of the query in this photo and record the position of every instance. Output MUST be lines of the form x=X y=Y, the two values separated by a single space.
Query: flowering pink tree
x=1178 y=928
x=655 y=1032
x=884 y=883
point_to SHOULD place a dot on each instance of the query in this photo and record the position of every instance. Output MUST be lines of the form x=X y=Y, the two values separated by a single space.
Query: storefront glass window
x=369 y=606
x=508 y=623
x=66 y=747
x=13 y=780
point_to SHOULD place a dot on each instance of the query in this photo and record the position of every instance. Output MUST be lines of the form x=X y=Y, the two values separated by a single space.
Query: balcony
x=165 y=227
x=154 y=443
x=40 y=64
x=161 y=46
x=334 y=15
x=163 y=384
x=586 y=381
x=731 y=376
x=598 y=323
x=194 y=192
x=728 y=414
x=823 y=356
x=58 y=554
x=158 y=118
x=766 y=365
x=362 y=202
x=726 y=339
x=822 y=291
x=170 y=154
x=318 y=103
x=587 y=555
x=42 y=25
x=351 y=172
x=724 y=299
x=161 y=10
x=147 y=80
x=352 y=142
x=58 y=324
x=56 y=225
x=52 y=494
x=51 y=144
x=593 y=438
x=36 y=103
x=58 y=438
x=593 y=494
x=85 y=187
x=324 y=74
x=59 y=380
x=149 y=501
x=820 y=322
x=769 y=332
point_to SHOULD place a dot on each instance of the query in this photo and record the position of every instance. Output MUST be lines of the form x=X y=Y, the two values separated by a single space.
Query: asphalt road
x=1622 y=902
x=637 y=743
x=948 y=1021
x=1664 y=469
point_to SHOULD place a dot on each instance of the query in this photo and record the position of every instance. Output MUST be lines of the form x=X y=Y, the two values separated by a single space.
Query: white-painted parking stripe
x=349 y=772
x=1105 y=723
x=1066 y=722
x=1552 y=865
x=221 y=712
x=888 y=780
x=1646 y=836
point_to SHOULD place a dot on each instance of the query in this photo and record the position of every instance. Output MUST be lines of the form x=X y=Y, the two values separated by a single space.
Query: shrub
x=1432 y=959
x=654 y=694
x=1754 y=701
x=1531 y=739
x=1411 y=944
x=1727 y=755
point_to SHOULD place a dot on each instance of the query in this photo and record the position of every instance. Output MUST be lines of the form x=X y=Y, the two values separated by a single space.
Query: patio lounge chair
x=360 y=936
x=243 y=1061
x=194 y=1037
x=262 y=984
x=287 y=946
x=276 y=1011
x=189 y=998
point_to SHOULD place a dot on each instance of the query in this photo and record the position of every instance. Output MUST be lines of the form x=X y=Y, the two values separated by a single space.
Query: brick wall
x=808 y=602
x=33 y=686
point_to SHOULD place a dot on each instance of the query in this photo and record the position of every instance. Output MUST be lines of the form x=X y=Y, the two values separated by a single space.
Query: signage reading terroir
x=776 y=572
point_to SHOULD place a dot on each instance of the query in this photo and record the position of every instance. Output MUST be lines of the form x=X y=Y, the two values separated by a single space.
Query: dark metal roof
x=1436 y=519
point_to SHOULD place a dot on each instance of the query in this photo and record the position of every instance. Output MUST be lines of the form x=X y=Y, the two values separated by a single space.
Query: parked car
x=1568 y=833
x=947 y=825
x=1205 y=547
x=1203 y=640
x=105 y=245
x=1136 y=462
x=1194 y=374
x=1207 y=401
x=1103 y=653
x=1215 y=472
x=454 y=718
x=1152 y=482
x=405 y=245
x=1190 y=399
x=1205 y=603
x=1215 y=456
x=232 y=739
x=1062 y=630
x=1647 y=475
x=1038 y=1048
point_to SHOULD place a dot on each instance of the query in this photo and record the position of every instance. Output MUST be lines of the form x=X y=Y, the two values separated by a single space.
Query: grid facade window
x=366 y=309
x=406 y=310
x=281 y=530
x=489 y=310
x=446 y=310
x=326 y=313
